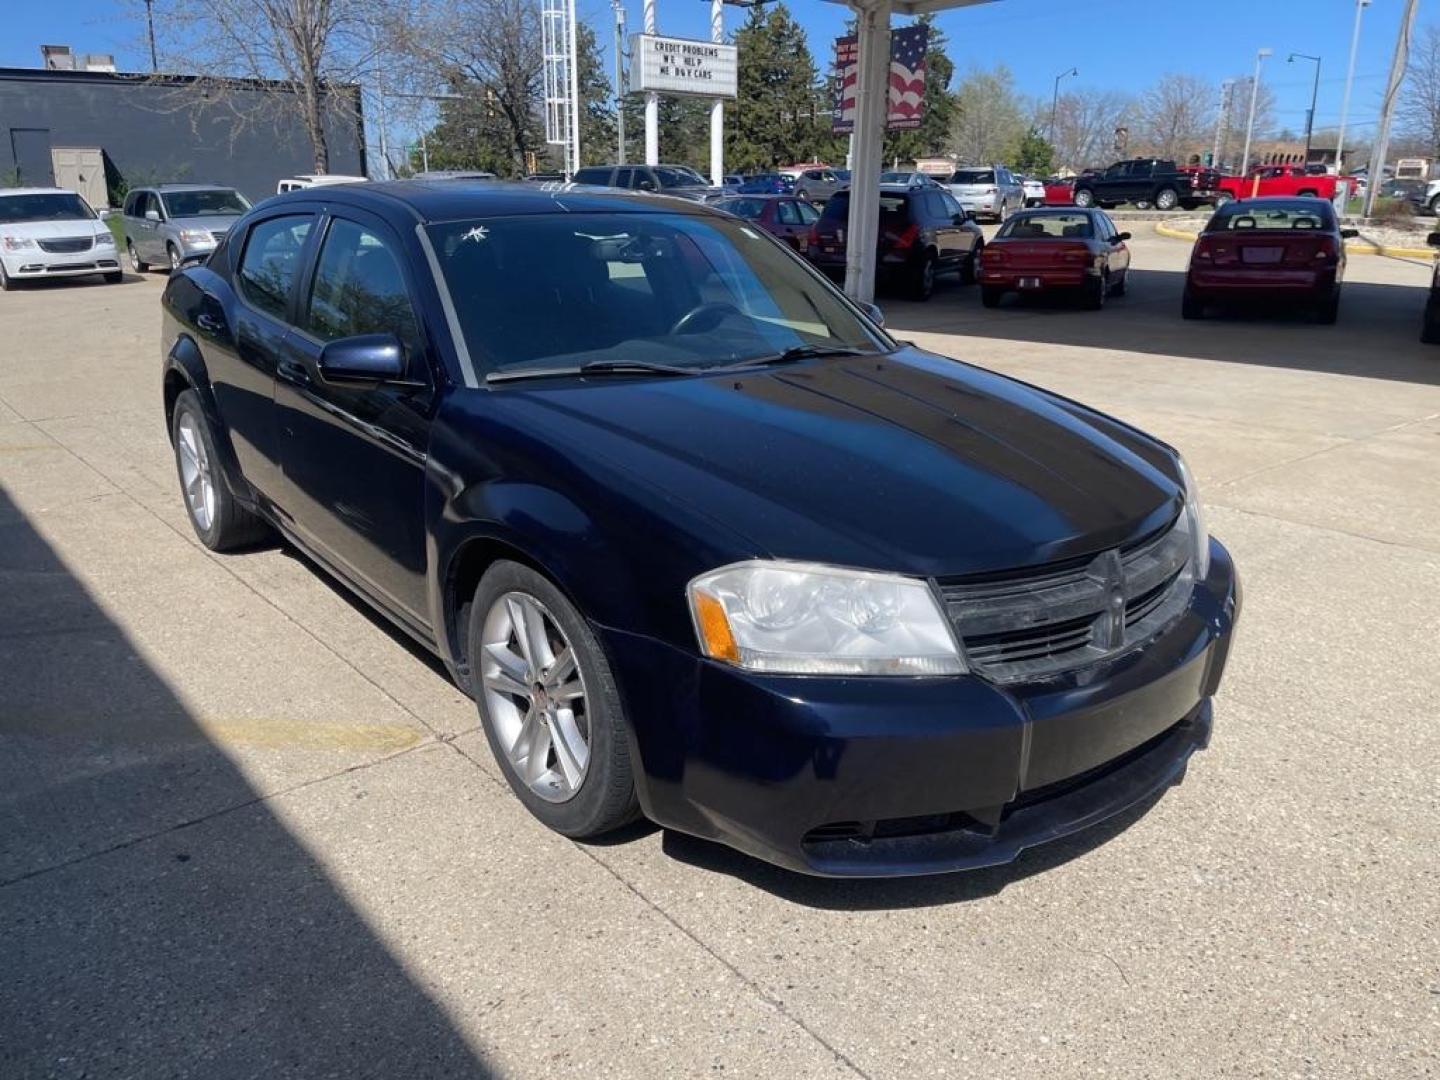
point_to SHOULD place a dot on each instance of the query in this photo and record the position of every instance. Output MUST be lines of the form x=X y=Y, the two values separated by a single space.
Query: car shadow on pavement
x=874 y=894
x=156 y=917
x=1377 y=336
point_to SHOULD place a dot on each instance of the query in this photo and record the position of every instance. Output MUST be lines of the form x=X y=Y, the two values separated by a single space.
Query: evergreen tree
x=597 y=112
x=781 y=114
x=1033 y=154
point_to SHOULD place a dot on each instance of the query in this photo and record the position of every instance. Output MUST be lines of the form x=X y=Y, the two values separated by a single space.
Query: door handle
x=294 y=372
x=209 y=323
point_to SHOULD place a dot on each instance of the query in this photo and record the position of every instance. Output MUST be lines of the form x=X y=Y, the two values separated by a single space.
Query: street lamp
x=1314 y=92
x=1055 y=100
x=1360 y=6
x=1260 y=55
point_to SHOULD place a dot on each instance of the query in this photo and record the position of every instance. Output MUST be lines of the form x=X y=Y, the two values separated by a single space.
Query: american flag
x=908 y=46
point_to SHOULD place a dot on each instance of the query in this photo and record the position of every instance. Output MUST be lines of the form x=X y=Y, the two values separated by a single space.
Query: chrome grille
x=1061 y=618
x=66 y=245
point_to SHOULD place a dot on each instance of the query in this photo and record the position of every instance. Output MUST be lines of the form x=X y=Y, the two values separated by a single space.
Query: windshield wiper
x=794 y=353
x=592 y=367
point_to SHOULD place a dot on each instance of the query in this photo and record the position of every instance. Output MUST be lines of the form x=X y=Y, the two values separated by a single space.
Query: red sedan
x=1266 y=250
x=1040 y=250
x=784 y=216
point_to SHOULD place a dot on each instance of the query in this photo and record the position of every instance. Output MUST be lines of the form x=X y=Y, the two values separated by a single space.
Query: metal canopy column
x=872 y=101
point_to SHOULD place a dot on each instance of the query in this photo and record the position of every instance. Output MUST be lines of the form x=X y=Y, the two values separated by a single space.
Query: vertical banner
x=908 y=47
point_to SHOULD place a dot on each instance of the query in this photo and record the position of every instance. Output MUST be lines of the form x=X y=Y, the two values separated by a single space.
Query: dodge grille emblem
x=1110 y=626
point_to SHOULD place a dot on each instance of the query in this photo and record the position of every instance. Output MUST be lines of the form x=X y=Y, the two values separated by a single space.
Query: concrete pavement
x=246 y=830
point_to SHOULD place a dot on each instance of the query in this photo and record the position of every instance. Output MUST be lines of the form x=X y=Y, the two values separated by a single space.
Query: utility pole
x=1387 y=107
x=652 y=100
x=717 y=106
x=1055 y=101
x=1222 y=121
x=1314 y=94
x=618 y=7
x=150 y=25
x=1360 y=6
x=1260 y=55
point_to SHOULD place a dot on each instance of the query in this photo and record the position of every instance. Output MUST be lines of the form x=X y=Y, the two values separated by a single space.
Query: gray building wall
x=150 y=132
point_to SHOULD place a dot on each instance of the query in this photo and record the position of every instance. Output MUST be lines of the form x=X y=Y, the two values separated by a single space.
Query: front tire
x=7 y=284
x=1118 y=289
x=137 y=264
x=548 y=703
x=1084 y=198
x=173 y=254
x=220 y=522
x=1430 y=328
x=970 y=265
x=1328 y=311
x=1167 y=199
x=1095 y=291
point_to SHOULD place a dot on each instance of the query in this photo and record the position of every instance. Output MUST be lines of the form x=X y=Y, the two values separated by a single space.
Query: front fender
x=184 y=369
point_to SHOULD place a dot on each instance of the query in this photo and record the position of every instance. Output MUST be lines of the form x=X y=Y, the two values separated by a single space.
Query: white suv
x=51 y=232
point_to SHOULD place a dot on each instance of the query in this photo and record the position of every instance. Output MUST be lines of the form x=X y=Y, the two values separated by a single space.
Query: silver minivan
x=168 y=223
x=987 y=190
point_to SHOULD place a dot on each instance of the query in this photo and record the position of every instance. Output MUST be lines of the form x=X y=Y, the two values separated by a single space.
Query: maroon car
x=784 y=216
x=1036 y=251
x=1265 y=250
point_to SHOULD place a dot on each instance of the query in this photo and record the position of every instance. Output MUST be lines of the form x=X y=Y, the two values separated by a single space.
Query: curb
x=1351 y=247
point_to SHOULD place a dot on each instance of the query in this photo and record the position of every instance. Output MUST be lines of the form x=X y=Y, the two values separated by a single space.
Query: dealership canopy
x=872 y=29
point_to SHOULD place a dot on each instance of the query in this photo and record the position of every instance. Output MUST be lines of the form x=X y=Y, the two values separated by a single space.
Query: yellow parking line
x=309 y=735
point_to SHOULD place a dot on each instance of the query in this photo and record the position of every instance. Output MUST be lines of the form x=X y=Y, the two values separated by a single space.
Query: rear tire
x=1092 y=297
x=1191 y=307
x=990 y=295
x=922 y=284
x=1118 y=289
x=1328 y=311
x=219 y=520
x=603 y=797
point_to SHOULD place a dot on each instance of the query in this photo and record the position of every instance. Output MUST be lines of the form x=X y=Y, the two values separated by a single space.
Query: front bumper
x=31 y=263
x=892 y=777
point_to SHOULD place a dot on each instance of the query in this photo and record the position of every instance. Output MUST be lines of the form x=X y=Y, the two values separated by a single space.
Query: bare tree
x=1419 y=106
x=1085 y=123
x=1175 y=117
x=488 y=50
x=318 y=46
x=990 y=119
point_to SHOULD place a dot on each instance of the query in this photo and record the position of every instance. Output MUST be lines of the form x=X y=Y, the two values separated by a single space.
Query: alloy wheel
x=195 y=473
x=535 y=696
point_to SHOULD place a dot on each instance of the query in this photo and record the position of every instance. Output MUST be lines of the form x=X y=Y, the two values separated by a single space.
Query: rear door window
x=593 y=175
x=271 y=261
x=788 y=213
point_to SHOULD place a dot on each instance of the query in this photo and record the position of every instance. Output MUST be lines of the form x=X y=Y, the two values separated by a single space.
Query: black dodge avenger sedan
x=702 y=541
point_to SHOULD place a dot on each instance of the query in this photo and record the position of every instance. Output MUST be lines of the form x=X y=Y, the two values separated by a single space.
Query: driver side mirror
x=1120 y=238
x=152 y=215
x=364 y=358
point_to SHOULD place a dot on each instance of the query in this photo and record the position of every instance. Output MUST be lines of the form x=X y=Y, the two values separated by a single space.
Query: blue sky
x=1117 y=44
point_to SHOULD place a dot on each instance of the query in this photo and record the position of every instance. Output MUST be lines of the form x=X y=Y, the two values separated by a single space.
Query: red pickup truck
x=1278 y=180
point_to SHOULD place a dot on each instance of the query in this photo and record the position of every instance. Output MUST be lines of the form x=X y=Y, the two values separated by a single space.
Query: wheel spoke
x=510 y=675
x=569 y=691
x=561 y=668
x=571 y=753
x=530 y=629
x=537 y=759
x=195 y=489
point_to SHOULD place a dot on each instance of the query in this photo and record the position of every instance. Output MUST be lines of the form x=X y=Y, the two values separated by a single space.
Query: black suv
x=1162 y=184
x=923 y=232
x=665 y=179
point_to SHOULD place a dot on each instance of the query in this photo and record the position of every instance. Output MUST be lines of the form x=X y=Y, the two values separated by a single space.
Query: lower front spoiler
x=1067 y=807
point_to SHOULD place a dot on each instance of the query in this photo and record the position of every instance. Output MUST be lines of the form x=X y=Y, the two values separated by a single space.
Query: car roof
x=37 y=191
x=1306 y=201
x=184 y=187
x=451 y=200
x=1039 y=211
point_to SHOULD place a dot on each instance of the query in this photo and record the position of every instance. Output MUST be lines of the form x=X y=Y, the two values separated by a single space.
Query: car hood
x=208 y=222
x=910 y=462
x=47 y=230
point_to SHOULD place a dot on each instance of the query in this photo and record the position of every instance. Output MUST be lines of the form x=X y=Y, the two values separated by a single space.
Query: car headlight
x=16 y=243
x=104 y=239
x=1193 y=521
x=807 y=619
x=196 y=236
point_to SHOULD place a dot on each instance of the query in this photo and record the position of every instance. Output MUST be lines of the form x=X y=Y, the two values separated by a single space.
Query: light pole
x=1314 y=93
x=150 y=26
x=1222 y=122
x=618 y=7
x=1260 y=55
x=1055 y=101
x=1360 y=6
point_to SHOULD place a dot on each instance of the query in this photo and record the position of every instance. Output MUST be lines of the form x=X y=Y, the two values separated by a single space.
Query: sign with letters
x=682 y=66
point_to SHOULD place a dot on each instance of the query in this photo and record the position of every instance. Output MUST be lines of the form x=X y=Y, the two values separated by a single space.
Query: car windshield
x=696 y=292
x=973 y=176
x=215 y=201
x=677 y=176
x=1238 y=217
x=43 y=206
x=1047 y=226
